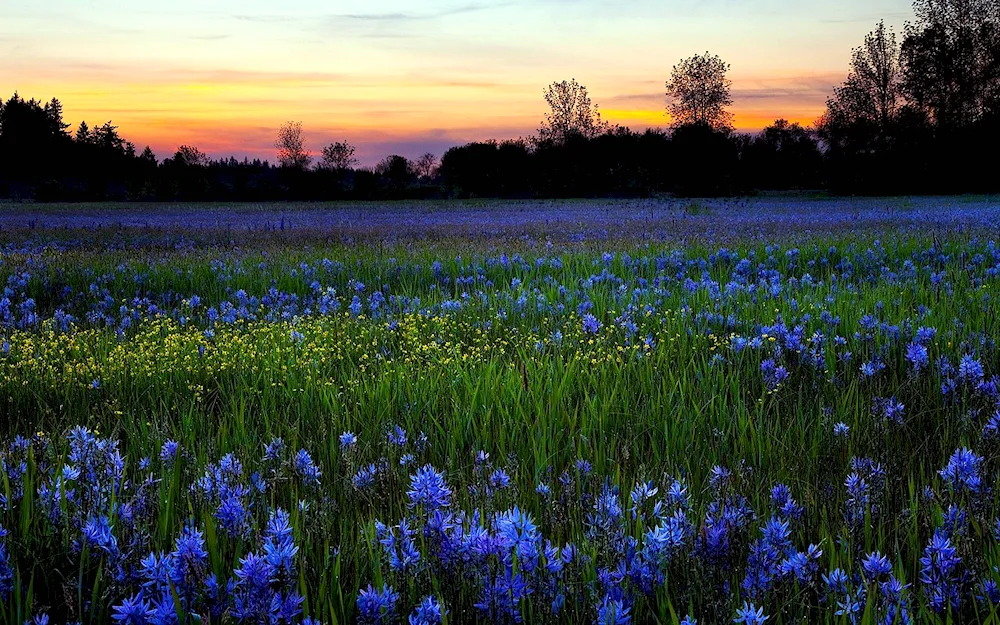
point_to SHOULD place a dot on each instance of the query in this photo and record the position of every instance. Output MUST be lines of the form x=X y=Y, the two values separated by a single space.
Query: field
x=558 y=412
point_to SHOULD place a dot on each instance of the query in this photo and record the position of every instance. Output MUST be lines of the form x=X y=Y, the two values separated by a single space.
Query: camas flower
x=306 y=468
x=376 y=607
x=939 y=573
x=876 y=566
x=962 y=471
x=613 y=612
x=917 y=356
x=348 y=440
x=169 y=452
x=131 y=611
x=590 y=324
x=750 y=614
x=428 y=489
x=427 y=612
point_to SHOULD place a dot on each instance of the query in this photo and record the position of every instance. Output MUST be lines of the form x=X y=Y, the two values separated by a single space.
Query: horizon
x=392 y=78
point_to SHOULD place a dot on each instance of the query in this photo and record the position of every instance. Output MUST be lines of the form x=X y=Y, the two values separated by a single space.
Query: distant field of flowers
x=683 y=414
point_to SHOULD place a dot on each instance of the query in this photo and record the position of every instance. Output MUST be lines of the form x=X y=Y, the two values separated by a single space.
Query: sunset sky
x=410 y=76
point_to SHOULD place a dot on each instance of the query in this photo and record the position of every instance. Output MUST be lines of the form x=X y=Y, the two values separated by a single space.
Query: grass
x=496 y=357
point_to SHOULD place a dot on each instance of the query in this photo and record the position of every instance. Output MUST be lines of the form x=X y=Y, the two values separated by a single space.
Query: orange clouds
x=238 y=111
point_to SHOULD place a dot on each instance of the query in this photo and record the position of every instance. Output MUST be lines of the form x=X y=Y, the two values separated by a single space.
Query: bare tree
x=571 y=113
x=338 y=156
x=291 y=146
x=425 y=166
x=698 y=92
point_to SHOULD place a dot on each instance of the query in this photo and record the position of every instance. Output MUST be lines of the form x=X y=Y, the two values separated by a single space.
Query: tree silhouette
x=425 y=165
x=83 y=133
x=783 y=156
x=861 y=113
x=291 y=146
x=872 y=92
x=571 y=113
x=698 y=92
x=338 y=156
x=190 y=156
x=54 y=113
x=396 y=172
x=107 y=138
x=952 y=58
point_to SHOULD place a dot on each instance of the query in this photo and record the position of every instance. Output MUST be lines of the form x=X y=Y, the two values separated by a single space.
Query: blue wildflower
x=962 y=471
x=428 y=489
x=750 y=615
x=427 y=612
x=376 y=607
x=306 y=468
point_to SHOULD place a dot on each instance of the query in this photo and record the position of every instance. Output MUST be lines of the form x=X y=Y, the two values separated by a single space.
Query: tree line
x=919 y=112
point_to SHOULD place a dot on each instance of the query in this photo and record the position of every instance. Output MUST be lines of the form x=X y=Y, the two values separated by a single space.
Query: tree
x=783 y=156
x=698 y=93
x=425 y=166
x=860 y=114
x=107 y=138
x=338 y=156
x=571 y=113
x=873 y=89
x=83 y=133
x=291 y=146
x=148 y=156
x=396 y=170
x=190 y=156
x=951 y=56
x=33 y=141
x=54 y=113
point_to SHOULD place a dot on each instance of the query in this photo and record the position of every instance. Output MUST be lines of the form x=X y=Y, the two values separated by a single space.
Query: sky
x=411 y=76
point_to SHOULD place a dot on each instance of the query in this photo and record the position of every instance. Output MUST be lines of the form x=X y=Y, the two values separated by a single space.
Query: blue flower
x=774 y=374
x=841 y=430
x=98 y=535
x=131 y=611
x=376 y=606
x=397 y=436
x=750 y=615
x=169 y=452
x=917 y=356
x=612 y=612
x=427 y=612
x=285 y=609
x=962 y=471
x=970 y=370
x=279 y=547
x=939 y=573
x=428 y=489
x=364 y=478
x=274 y=450
x=306 y=468
x=876 y=566
x=348 y=440
x=590 y=324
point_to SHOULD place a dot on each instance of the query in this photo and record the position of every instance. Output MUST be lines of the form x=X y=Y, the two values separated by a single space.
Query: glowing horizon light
x=395 y=77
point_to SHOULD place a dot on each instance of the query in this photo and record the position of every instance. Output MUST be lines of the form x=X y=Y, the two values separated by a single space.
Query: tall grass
x=497 y=357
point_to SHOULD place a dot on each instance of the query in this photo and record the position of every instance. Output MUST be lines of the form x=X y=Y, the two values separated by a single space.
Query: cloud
x=433 y=15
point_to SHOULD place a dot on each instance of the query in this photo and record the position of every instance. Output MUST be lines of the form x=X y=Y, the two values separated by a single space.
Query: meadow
x=778 y=410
